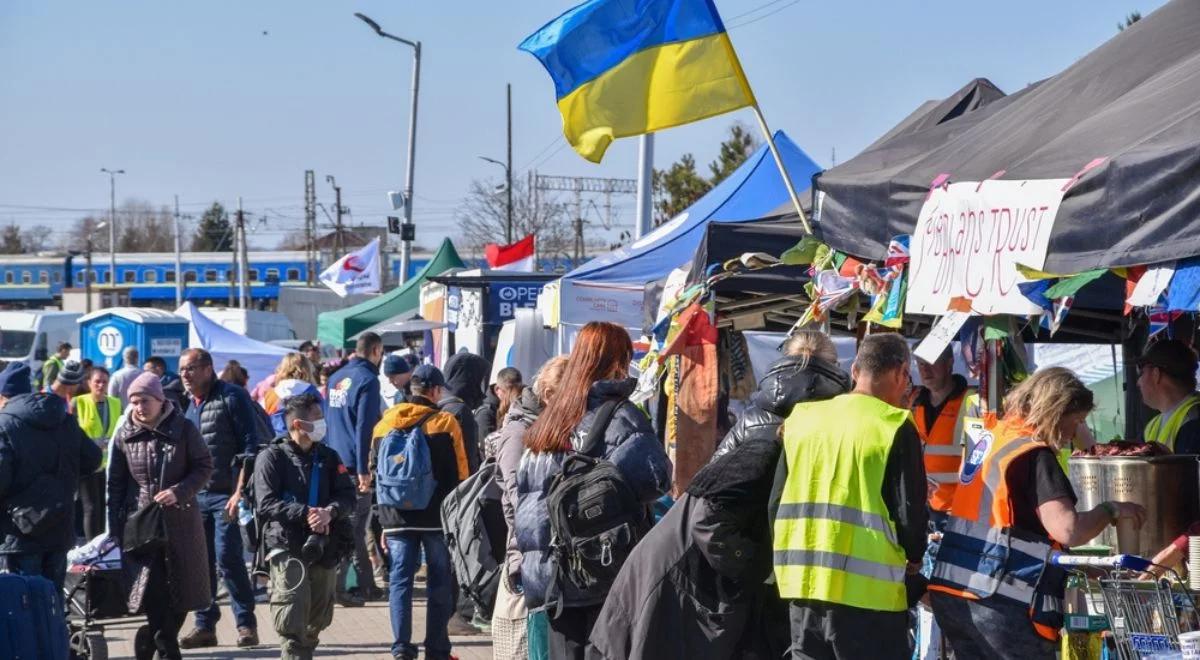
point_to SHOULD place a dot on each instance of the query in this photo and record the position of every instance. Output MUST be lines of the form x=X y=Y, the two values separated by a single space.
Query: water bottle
x=245 y=515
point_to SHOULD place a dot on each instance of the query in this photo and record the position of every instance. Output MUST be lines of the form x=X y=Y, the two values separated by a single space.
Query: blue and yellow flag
x=628 y=67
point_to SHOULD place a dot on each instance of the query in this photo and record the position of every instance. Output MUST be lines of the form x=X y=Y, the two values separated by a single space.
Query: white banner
x=592 y=301
x=970 y=238
x=357 y=272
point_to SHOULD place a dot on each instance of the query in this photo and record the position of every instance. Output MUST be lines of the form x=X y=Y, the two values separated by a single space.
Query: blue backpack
x=404 y=469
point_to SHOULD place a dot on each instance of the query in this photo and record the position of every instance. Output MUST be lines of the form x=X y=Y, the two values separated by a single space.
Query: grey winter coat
x=786 y=384
x=629 y=443
x=506 y=446
x=134 y=471
x=700 y=573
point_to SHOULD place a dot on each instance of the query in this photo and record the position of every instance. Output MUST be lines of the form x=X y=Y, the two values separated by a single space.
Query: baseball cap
x=14 y=380
x=1174 y=357
x=394 y=365
x=429 y=375
x=71 y=373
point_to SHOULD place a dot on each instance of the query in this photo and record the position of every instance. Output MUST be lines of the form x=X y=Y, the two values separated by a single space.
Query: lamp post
x=112 y=224
x=406 y=244
x=508 y=225
x=87 y=273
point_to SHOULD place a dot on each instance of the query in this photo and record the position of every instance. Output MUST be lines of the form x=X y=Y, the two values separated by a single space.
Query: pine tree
x=679 y=186
x=214 y=234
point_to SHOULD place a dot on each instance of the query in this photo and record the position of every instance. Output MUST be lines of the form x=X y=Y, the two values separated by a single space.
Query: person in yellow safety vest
x=848 y=511
x=97 y=414
x=1167 y=381
x=52 y=366
x=993 y=591
x=942 y=402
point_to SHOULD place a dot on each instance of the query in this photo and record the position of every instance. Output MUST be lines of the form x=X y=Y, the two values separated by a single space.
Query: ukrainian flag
x=628 y=67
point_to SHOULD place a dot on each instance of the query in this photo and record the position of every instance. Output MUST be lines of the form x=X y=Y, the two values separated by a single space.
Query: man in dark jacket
x=303 y=493
x=465 y=376
x=791 y=379
x=355 y=406
x=225 y=416
x=409 y=531
x=43 y=452
x=500 y=394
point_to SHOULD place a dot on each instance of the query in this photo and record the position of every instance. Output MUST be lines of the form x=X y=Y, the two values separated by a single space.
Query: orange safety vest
x=981 y=555
x=943 y=450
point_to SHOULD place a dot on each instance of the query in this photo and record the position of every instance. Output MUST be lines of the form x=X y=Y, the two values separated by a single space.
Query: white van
x=252 y=323
x=31 y=336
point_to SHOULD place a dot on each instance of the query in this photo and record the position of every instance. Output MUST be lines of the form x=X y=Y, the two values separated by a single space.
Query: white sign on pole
x=1151 y=286
x=940 y=336
x=970 y=238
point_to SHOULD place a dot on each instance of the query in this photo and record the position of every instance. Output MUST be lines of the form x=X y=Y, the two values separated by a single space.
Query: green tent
x=336 y=328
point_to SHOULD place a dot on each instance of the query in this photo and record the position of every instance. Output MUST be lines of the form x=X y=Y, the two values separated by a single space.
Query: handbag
x=145 y=530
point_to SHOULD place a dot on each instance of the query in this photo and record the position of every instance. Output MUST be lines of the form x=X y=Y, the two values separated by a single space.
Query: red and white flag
x=516 y=257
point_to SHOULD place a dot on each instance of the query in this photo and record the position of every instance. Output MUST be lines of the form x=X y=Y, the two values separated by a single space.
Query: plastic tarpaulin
x=750 y=192
x=1130 y=109
x=337 y=328
x=258 y=358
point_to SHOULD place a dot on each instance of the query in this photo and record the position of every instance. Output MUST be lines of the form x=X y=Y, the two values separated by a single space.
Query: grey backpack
x=473 y=522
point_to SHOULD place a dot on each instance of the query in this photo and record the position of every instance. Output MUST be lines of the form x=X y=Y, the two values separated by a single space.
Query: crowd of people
x=844 y=515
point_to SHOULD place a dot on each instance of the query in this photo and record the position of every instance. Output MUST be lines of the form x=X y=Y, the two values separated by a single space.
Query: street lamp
x=406 y=249
x=508 y=239
x=87 y=274
x=112 y=224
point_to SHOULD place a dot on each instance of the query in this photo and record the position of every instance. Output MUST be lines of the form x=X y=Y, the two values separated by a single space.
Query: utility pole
x=87 y=274
x=338 y=244
x=508 y=228
x=310 y=226
x=112 y=226
x=580 y=185
x=645 y=191
x=243 y=294
x=178 y=260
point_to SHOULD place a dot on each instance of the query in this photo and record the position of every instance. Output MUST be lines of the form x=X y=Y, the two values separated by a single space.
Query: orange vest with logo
x=943 y=450
x=981 y=555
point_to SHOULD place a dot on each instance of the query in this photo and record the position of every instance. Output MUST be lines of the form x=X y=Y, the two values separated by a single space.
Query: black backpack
x=595 y=518
x=476 y=533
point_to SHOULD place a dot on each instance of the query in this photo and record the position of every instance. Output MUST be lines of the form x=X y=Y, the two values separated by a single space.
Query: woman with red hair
x=597 y=372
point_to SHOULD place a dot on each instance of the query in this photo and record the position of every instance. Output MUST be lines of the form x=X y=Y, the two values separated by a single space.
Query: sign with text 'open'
x=970 y=238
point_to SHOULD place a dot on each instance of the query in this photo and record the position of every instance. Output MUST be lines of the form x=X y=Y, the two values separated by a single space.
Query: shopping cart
x=1146 y=615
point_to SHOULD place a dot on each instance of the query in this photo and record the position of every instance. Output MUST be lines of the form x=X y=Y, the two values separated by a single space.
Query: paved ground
x=359 y=633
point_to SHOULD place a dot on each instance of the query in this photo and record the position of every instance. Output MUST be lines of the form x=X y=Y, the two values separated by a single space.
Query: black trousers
x=569 y=633
x=821 y=631
x=163 y=620
x=91 y=498
x=359 y=559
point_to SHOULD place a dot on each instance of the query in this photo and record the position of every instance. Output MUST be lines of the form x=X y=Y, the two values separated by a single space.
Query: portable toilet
x=108 y=332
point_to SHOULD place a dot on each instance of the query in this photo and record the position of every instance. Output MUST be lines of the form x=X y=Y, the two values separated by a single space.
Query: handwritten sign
x=969 y=239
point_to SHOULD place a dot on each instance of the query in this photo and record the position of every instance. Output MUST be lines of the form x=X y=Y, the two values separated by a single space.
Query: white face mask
x=317 y=433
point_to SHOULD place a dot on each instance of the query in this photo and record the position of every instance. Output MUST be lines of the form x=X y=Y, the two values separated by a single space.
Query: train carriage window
x=293 y=274
x=26 y=277
x=169 y=276
x=210 y=275
x=130 y=276
x=272 y=274
x=8 y=277
x=150 y=275
x=253 y=275
x=190 y=276
x=43 y=277
x=102 y=276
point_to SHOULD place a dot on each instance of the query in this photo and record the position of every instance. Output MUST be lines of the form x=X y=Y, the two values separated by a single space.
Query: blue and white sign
x=504 y=298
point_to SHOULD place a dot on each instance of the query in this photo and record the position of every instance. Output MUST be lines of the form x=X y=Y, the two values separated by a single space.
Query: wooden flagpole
x=787 y=180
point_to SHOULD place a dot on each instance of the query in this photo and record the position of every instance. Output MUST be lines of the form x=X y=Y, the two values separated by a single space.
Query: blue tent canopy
x=753 y=190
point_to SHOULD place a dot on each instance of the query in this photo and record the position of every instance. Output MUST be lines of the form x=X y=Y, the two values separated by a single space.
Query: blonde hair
x=294 y=365
x=808 y=344
x=545 y=383
x=1044 y=399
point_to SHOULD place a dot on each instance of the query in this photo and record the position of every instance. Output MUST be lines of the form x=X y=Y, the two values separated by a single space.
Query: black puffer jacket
x=786 y=384
x=35 y=434
x=229 y=427
x=282 y=477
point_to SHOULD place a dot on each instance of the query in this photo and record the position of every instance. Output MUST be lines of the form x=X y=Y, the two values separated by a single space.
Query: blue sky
x=192 y=98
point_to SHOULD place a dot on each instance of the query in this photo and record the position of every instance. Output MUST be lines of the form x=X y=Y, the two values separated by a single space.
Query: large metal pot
x=1168 y=486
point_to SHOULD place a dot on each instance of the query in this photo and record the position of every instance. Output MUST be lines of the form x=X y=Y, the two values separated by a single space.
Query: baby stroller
x=95 y=594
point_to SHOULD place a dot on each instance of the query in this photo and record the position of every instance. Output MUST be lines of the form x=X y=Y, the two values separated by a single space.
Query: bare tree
x=76 y=238
x=483 y=215
x=141 y=228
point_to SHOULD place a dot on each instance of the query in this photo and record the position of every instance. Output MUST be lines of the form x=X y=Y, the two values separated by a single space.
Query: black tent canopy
x=1134 y=101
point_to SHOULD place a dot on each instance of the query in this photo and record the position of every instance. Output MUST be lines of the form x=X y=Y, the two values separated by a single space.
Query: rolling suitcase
x=32 y=625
